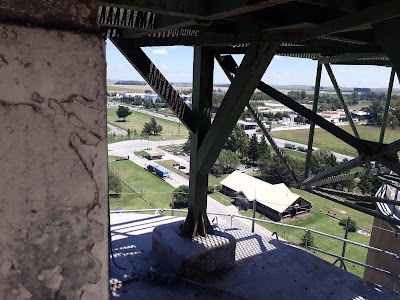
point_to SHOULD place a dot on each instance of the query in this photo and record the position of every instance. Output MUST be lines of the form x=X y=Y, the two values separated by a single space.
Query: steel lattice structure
x=349 y=32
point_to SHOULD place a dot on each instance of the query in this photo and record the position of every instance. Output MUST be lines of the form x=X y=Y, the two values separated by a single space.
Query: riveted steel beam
x=387 y=104
x=247 y=76
x=157 y=81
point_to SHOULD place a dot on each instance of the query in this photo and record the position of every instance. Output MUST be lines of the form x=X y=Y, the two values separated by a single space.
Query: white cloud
x=164 y=66
x=161 y=51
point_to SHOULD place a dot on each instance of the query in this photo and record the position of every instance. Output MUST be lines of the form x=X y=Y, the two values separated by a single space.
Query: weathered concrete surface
x=389 y=241
x=53 y=158
x=78 y=15
x=193 y=257
x=265 y=269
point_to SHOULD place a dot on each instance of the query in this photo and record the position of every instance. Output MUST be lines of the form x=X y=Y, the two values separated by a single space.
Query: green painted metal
x=341 y=100
x=384 y=34
x=387 y=104
x=350 y=176
x=156 y=80
x=356 y=207
x=348 y=57
x=307 y=165
x=203 y=66
x=247 y=76
x=274 y=146
x=357 y=197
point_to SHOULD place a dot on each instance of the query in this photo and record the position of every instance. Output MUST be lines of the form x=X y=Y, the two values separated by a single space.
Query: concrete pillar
x=386 y=240
x=53 y=152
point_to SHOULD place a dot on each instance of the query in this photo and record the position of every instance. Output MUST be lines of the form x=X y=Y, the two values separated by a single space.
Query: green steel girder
x=348 y=57
x=367 y=211
x=310 y=143
x=369 y=15
x=277 y=150
x=341 y=100
x=357 y=197
x=249 y=73
x=157 y=81
x=203 y=66
x=350 y=176
x=386 y=34
x=387 y=104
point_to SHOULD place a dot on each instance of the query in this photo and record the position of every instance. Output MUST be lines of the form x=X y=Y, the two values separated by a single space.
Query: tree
x=226 y=162
x=307 y=239
x=272 y=170
x=147 y=104
x=238 y=141
x=123 y=112
x=186 y=145
x=137 y=100
x=322 y=160
x=253 y=153
x=152 y=128
x=181 y=197
x=300 y=119
x=352 y=225
x=114 y=185
x=263 y=146
x=369 y=185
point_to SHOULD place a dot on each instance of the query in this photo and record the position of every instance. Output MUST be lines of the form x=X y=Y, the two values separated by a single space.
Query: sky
x=176 y=64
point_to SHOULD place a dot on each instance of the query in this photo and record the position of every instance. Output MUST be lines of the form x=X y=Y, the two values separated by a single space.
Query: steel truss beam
x=369 y=15
x=387 y=104
x=203 y=66
x=356 y=207
x=247 y=76
x=349 y=57
x=271 y=141
x=348 y=176
x=157 y=81
x=312 y=125
x=253 y=111
x=357 y=197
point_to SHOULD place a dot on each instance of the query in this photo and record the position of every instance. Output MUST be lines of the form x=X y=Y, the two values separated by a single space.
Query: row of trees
x=375 y=110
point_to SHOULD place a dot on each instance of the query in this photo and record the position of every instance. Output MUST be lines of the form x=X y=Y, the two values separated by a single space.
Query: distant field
x=171 y=130
x=324 y=139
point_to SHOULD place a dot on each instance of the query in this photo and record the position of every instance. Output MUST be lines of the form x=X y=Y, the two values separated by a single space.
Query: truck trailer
x=161 y=172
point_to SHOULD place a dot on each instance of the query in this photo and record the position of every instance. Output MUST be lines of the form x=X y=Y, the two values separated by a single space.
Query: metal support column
x=312 y=125
x=203 y=67
x=387 y=104
x=341 y=100
x=346 y=233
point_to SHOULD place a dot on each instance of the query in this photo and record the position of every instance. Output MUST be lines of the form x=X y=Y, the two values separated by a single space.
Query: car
x=247 y=167
x=176 y=165
x=182 y=167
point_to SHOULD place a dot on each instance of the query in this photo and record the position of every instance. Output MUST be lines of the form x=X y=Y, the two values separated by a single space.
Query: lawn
x=321 y=222
x=324 y=139
x=128 y=201
x=171 y=130
x=155 y=190
x=113 y=88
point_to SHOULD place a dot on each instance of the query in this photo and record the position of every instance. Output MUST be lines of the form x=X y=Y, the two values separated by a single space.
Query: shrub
x=352 y=225
x=114 y=185
x=307 y=240
x=181 y=197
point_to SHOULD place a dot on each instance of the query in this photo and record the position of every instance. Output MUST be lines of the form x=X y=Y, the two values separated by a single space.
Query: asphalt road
x=127 y=148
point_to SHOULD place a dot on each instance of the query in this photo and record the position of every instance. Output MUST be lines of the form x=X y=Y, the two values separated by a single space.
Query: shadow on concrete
x=265 y=269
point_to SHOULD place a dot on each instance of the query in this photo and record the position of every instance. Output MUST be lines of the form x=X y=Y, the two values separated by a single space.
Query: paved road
x=127 y=148
x=117 y=130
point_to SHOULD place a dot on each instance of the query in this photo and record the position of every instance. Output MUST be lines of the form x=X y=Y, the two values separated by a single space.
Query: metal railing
x=339 y=258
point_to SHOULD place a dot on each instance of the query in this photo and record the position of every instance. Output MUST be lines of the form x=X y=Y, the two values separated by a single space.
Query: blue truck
x=161 y=172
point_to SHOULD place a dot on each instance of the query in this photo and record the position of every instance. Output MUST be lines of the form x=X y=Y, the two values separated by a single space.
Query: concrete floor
x=265 y=269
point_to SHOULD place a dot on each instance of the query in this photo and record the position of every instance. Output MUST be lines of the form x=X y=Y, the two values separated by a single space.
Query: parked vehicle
x=150 y=168
x=290 y=146
x=176 y=165
x=302 y=148
x=161 y=172
x=182 y=167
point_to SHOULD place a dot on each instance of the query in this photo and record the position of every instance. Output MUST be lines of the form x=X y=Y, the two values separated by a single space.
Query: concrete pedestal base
x=193 y=256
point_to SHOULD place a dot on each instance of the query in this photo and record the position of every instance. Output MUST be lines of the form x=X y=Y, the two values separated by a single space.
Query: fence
x=338 y=258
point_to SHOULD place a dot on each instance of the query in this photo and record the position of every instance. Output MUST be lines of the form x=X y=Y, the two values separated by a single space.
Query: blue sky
x=176 y=65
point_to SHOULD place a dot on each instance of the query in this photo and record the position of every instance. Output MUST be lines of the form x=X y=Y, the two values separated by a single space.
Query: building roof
x=153 y=153
x=278 y=196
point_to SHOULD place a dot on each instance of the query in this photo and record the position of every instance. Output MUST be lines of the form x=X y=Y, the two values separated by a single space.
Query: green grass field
x=321 y=222
x=324 y=139
x=155 y=190
x=171 y=130
x=113 y=88
x=128 y=201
